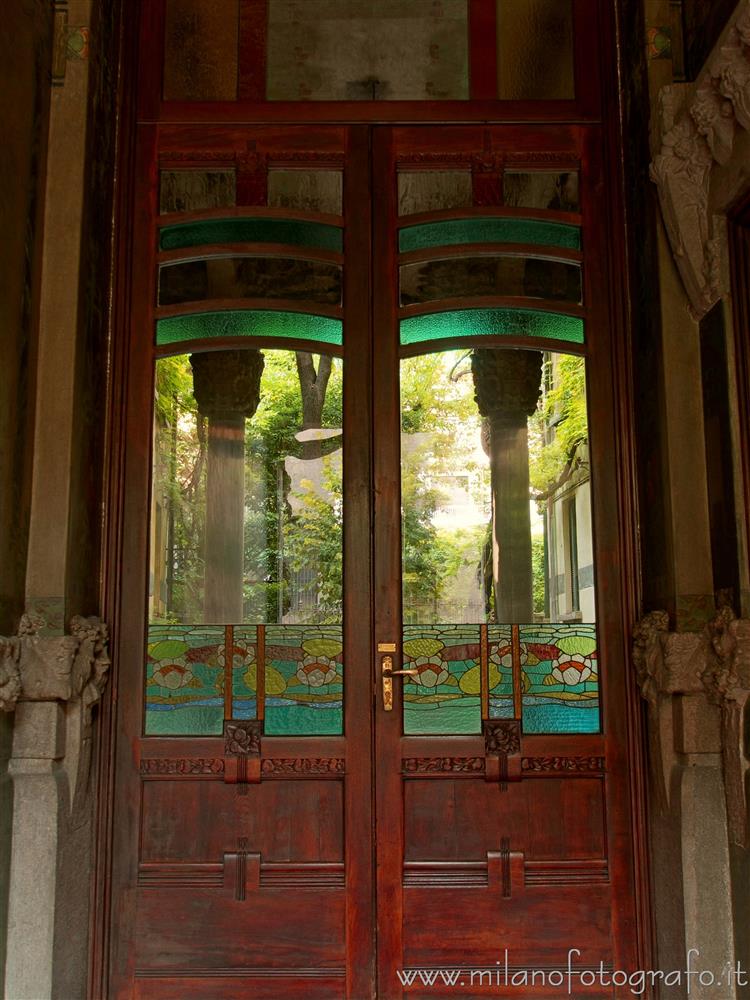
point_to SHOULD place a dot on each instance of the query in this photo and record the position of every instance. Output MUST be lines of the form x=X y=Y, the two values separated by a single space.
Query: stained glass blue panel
x=184 y=680
x=249 y=323
x=500 y=671
x=560 y=678
x=304 y=680
x=293 y=232
x=485 y=229
x=244 y=672
x=491 y=322
x=445 y=698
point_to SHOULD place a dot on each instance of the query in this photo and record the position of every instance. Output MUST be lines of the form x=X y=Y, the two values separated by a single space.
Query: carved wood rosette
x=502 y=751
x=242 y=753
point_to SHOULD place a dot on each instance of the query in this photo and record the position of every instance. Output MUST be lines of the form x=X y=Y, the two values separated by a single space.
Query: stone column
x=226 y=385
x=507 y=384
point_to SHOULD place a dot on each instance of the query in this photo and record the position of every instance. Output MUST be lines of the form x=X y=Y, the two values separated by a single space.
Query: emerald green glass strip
x=491 y=322
x=297 y=232
x=249 y=323
x=453 y=232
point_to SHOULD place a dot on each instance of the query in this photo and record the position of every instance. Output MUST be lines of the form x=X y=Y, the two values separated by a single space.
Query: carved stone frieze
x=696 y=130
x=39 y=667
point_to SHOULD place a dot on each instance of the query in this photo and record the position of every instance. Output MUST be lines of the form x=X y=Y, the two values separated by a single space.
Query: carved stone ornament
x=714 y=666
x=697 y=127
x=69 y=668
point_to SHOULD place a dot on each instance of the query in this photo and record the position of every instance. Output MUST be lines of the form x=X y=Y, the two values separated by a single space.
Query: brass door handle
x=387 y=680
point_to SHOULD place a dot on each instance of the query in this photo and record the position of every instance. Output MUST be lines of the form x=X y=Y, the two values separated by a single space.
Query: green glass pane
x=491 y=322
x=249 y=323
x=244 y=673
x=500 y=671
x=297 y=232
x=444 y=699
x=453 y=232
x=560 y=678
x=184 y=680
x=304 y=680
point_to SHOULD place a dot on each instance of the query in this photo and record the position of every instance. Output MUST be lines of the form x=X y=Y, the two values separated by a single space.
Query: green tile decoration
x=304 y=680
x=184 y=680
x=294 y=232
x=249 y=323
x=445 y=698
x=500 y=671
x=560 y=672
x=491 y=322
x=486 y=229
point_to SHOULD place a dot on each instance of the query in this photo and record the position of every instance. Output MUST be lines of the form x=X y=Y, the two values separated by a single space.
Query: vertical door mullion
x=387 y=535
x=358 y=492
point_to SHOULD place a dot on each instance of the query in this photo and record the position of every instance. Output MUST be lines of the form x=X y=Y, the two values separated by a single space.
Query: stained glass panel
x=486 y=229
x=304 y=680
x=445 y=697
x=434 y=190
x=196 y=190
x=491 y=322
x=308 y=190
x=249 y=323
x=295 y=232
x=250 y=278
x=500 y=672
x=458 y=277
x=560 y=678
x=541 y=189
x=245 y=672
x=184 y=680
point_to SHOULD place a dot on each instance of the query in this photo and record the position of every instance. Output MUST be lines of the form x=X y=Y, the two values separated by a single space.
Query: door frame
x=128 y=275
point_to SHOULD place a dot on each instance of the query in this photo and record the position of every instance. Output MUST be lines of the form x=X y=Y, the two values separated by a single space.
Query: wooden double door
x=419 y=783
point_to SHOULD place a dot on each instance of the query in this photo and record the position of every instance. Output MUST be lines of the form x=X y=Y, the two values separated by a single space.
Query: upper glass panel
x=354 y=50
x=201 y=50
x=497 y=553
x=535 y=50
x=246 y=515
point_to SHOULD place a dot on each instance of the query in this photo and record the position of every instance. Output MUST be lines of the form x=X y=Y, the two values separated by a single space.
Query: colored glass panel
x=560 y=678
x=500 y=670
x=245 y=672
x=334 y=50
x=460 y=277
x=304 y=680
x=249 y=323
x=491 y=322
x=184 y=680
x=486 y=229
x=295 y=232
x=444 y=699
x=535 y=50
x=249 y=277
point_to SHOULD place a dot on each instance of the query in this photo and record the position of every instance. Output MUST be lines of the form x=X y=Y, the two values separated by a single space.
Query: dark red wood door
x=378 y=745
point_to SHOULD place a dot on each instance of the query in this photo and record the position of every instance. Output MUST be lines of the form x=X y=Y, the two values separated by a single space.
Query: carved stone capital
x=697 y=124
x=226 y=384
x=72 y=667
x=714 y=666
x=506 y=383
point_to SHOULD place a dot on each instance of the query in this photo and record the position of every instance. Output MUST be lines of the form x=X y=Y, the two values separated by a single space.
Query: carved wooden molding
x=443 y=765
x=712 y=666
x=697 y=127
x=215 y=767
x=169 y=766
x=241 y=738
x=295 y=766
x=502 y=736
x=568 y=765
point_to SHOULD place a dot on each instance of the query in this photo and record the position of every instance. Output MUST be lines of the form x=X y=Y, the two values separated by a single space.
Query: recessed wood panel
x=198 y=821
x=461 y=820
